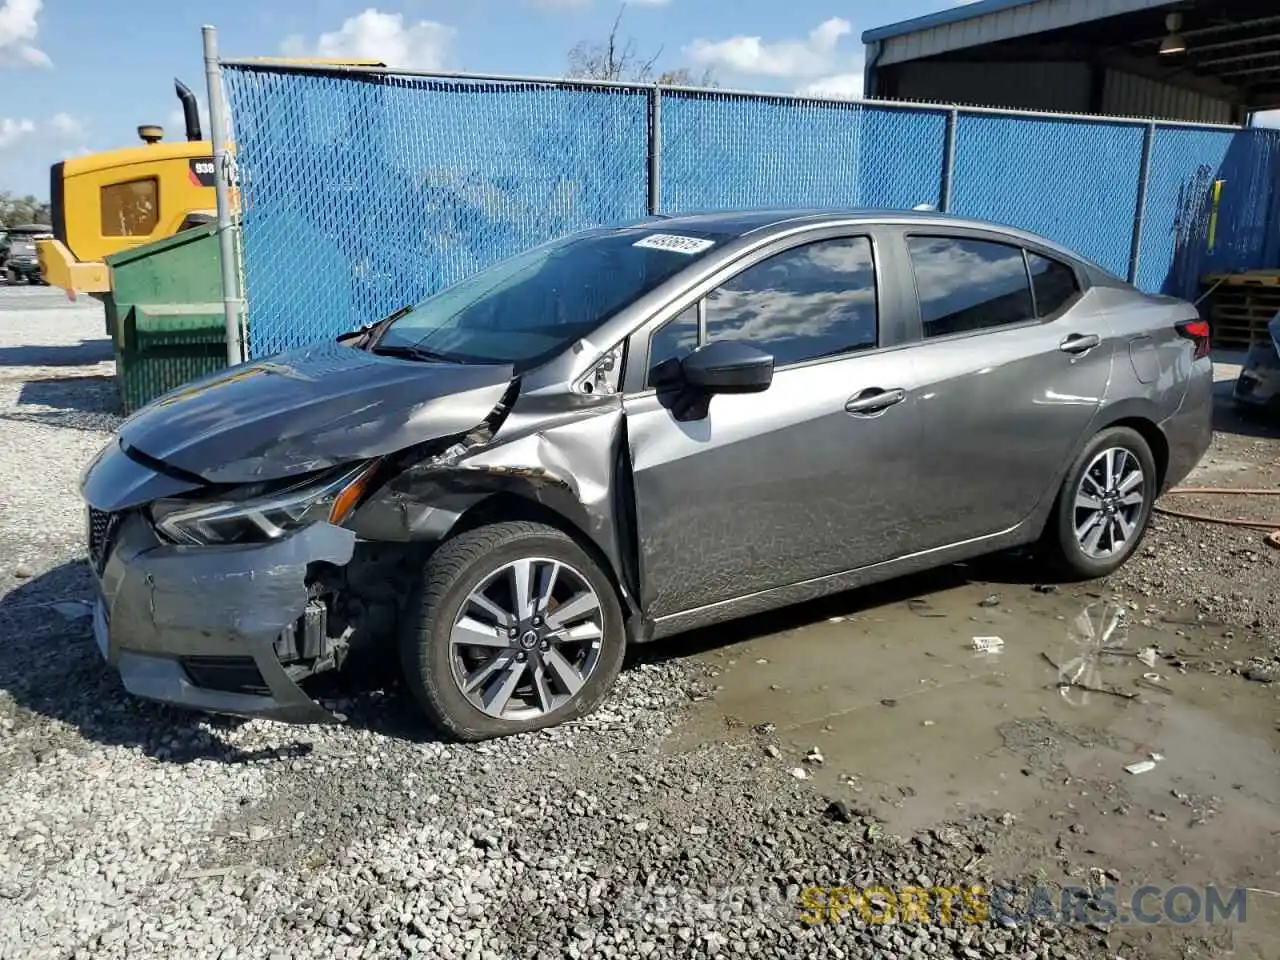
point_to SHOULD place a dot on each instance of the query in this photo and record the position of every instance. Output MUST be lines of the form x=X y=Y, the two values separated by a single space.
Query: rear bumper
x=169 y=616
x=1189 y=431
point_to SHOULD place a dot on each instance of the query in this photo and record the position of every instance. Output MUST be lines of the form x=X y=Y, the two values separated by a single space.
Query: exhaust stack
x=190 y=112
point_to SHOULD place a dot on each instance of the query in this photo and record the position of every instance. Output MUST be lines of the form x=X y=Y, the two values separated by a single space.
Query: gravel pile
x=128 y=829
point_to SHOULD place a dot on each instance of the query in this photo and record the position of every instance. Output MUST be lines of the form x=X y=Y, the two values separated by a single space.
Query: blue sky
x=82 y=74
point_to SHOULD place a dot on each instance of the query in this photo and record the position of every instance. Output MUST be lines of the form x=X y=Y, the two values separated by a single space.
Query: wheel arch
x=1139 y=415
x=433 y=508
x=1150 y=431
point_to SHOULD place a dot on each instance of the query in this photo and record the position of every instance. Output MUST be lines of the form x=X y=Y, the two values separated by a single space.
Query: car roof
x=742 y=223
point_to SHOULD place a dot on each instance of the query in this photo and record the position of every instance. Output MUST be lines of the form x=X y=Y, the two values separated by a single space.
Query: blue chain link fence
x=362 y=191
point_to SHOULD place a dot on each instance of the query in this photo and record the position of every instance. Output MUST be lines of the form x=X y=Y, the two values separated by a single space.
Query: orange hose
x=1221 y=491
x=1272 y=491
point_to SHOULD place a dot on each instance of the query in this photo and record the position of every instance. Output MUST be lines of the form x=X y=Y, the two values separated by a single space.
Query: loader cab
x=112 y=201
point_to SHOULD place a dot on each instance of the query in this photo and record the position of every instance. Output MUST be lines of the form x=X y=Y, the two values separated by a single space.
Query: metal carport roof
x=1232 y=46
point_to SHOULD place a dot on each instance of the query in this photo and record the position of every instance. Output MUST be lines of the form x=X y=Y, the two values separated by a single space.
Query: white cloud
x=840 y=86
x=811 y=57
x=584 y=4
x=387 y=37
x=18 y=29
x=65 y=125
x=11 y=131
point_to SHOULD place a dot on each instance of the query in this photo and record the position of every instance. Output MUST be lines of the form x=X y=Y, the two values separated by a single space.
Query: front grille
x=102 y=527
x=226 y=674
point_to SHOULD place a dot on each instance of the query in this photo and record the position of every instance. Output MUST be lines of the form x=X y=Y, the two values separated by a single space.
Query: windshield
x=525 y=310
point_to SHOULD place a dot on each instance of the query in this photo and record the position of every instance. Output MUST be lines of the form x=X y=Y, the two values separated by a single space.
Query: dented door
x=773 y=488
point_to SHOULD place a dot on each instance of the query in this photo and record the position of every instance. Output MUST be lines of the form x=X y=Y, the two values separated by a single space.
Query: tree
x=15 y=210
x=617 y=59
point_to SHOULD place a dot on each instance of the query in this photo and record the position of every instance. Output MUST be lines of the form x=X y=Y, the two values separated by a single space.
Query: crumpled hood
x=309 y=409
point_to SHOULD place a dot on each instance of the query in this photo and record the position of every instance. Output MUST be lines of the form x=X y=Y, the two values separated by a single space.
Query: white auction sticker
x=674 y=243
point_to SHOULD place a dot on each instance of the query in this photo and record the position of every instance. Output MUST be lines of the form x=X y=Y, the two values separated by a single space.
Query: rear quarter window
x=1054 y=284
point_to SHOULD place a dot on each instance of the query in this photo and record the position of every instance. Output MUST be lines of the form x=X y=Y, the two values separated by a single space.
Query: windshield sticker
x=674 y=243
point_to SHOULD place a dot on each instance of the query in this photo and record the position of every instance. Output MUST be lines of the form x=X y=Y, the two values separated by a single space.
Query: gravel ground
x=129 y=829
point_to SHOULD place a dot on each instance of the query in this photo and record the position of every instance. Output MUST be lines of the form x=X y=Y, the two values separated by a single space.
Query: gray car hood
x=310 y=409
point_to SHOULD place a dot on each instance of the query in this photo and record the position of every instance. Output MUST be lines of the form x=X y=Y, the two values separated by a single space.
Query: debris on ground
x=1262 y=671
x=988 y=644
x=1141 y=766
x=991 y=601
x=920 y=607
x=839 y=811
x=814 y=756
x=1149 y=655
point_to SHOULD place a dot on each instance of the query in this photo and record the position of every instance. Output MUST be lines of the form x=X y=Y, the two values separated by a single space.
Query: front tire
x=1104 y=506
x=512 y=627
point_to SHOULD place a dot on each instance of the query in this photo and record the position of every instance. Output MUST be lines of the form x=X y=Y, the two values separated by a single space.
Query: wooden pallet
x=1239 y=312
x=1254 y=278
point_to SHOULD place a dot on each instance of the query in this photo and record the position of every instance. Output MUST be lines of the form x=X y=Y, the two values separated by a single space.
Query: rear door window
x=968 y=285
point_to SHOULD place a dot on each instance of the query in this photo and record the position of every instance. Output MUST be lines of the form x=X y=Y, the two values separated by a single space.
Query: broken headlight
x=249 y=515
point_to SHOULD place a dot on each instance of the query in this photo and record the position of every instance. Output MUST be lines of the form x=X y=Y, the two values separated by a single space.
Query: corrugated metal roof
x=967 y=11
x=990 y=21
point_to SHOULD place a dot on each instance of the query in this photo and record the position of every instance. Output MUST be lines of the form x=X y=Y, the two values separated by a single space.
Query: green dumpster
x=165 y=314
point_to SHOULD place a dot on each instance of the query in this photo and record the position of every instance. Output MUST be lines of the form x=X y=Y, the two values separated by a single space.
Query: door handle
x=874 y=400
x=1079 y=343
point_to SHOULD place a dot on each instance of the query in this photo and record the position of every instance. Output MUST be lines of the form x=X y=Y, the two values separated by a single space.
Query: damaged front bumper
x=225 y=629
x=1258 y=385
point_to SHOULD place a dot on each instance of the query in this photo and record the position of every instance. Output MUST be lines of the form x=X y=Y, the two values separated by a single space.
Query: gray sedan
x=627 y=433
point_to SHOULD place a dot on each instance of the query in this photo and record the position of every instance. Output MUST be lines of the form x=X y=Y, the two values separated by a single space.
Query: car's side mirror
x=727 y=366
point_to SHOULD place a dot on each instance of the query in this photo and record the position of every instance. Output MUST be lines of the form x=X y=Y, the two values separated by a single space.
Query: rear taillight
x=1197 y=331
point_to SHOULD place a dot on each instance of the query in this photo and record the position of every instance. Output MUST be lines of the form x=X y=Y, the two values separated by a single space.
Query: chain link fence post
x=231 y=300
x=655 y=150
x=949 y=161
x=1140 y=212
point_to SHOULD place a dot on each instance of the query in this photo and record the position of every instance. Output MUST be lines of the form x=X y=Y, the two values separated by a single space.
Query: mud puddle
x=916 y=726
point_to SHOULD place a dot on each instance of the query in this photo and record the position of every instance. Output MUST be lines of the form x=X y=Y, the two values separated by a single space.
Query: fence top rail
x=266 y=64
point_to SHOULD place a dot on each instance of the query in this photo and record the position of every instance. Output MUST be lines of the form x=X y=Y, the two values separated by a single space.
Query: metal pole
x=231 y=301
x=949 y=161
x=655 y=149
x=1140 y=212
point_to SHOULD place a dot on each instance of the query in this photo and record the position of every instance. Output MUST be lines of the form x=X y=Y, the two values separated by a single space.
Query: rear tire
x=1104 y=506
x=485 y=660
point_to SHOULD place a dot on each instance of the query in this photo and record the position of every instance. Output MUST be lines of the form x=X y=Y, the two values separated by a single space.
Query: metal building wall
x=1053 y=86
x=1129 y=95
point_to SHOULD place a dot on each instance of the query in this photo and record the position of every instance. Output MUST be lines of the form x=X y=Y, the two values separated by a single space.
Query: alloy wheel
x=526 y=638
x=1109 y=503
